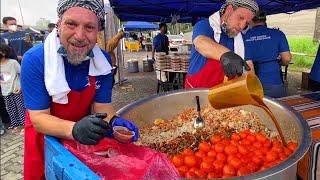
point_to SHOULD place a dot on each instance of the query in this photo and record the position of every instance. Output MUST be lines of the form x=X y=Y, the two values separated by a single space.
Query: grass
x=304 y=45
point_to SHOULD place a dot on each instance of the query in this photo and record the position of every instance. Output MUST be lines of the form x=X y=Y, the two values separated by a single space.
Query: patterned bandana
x=96 y=6
x=248 y=4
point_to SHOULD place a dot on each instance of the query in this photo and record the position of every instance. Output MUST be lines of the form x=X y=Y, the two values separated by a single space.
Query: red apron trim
x=210 y=74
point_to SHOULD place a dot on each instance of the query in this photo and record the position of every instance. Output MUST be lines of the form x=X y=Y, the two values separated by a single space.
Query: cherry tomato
x=251 y=138
x=222 y=157
x=207 y=166
x=277 y=149
x=243 y=134
x=230 y=149
x=264 y=150
x=215 y=139
x=235 y=162
x=177 y=160
x=200 y=173
x=235 y=136
x=252 y=167
x=271 y=156
x=229 y=170
x=187 y=152
x=193 y=169
x=261 y=137
x=212 y=153
x=243 y=171
x=287 y=151
x=219 y=147
x=225 y=141
x=218 y=165
x=200 y=154
x=282 y=156
x=245 y=159
x=204 y=147
x=276 y=143
x=245 y=142
x=257 y=145
x=292 y=146
x=190 y=174
x=208 y=159
x=231 y=157
x=257 y=160
x=190 y=161
x=242 y=149
x=183 y=170
x=212 y=175
x=267 y=143
x=234 y=142
x=259 y=153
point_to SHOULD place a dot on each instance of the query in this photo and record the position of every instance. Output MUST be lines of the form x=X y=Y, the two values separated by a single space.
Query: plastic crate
x=60 y=164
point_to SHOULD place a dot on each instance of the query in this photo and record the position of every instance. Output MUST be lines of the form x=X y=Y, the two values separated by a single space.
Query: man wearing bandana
x=218 y=48
x=65 y=80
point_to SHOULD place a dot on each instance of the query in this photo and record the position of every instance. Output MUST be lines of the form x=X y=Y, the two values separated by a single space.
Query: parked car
x=174 y=41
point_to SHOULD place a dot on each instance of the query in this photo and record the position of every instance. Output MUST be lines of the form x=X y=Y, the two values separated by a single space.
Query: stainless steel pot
x=294 y=127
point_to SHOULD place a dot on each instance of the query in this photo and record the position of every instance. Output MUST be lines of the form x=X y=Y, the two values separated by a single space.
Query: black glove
x=90 y=130
x=233 y=64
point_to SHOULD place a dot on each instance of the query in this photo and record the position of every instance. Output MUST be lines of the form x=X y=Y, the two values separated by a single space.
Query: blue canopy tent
x=189 y=10
x=139 y=26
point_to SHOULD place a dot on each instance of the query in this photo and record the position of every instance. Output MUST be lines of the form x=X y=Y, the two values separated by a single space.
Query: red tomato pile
x=243 y=154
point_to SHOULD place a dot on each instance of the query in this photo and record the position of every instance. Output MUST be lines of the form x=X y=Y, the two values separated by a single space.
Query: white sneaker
x=2 y=131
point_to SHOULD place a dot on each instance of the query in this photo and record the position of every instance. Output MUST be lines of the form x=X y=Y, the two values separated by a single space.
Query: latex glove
x=118 y=121
x=90 y=130
x=233 y=64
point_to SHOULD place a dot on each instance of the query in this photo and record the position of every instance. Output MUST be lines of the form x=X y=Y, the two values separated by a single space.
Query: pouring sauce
x=267 y=110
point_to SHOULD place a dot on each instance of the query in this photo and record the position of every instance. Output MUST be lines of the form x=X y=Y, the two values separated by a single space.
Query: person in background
x=160 y=41
x=218 y=48
x=10 y=88
x=51 y=26
x=14 y=37
x=66 y=83
x=3 y=112
x=111 y=44
x=28 y=42
x=264 y=46
x=314 y=76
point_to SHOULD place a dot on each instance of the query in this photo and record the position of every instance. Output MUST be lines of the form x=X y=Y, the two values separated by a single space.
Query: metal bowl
x=294 y=127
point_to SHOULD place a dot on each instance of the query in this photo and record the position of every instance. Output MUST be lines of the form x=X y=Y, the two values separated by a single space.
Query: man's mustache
x=78 y=43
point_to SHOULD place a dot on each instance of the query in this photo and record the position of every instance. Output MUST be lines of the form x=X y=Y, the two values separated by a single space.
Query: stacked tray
x=162 y=61
x=175 y=62
x=184 y=62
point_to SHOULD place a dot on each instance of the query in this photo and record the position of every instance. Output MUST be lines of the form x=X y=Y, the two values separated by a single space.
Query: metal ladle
x=198 y=122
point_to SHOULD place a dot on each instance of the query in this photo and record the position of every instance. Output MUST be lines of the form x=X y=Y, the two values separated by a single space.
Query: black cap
x=260 y=16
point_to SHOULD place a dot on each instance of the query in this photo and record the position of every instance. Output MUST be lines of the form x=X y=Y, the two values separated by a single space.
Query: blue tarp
x=189 y=10
x=139 y=25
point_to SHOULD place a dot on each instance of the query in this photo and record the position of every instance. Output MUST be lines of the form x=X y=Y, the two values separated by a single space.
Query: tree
x=42 y=23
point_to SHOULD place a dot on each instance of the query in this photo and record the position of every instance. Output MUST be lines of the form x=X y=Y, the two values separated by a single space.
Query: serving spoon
x=198 y=122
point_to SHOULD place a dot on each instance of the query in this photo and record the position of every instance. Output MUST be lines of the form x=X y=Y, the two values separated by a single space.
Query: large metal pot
x=165 y=106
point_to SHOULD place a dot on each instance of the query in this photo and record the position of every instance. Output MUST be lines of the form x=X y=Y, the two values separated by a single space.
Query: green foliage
x=305 y=45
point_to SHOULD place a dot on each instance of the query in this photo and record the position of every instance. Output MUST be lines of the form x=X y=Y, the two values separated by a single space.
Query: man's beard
x=76 y=57
x=226 y=28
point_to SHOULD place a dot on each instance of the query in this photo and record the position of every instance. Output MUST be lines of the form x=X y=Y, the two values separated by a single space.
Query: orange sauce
x=267 y=110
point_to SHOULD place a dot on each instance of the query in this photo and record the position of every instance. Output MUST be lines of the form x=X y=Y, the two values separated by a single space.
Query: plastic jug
x=243 y=90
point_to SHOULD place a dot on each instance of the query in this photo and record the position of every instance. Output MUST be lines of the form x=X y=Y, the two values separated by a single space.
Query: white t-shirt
x=9 y=77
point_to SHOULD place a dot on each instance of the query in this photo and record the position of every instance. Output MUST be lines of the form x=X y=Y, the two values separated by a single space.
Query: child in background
x=10 y=88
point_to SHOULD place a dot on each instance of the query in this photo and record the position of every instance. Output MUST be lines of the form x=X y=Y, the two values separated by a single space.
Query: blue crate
x=60 y=164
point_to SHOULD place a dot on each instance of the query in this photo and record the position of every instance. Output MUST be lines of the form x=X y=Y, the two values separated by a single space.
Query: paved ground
x=136 y=86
